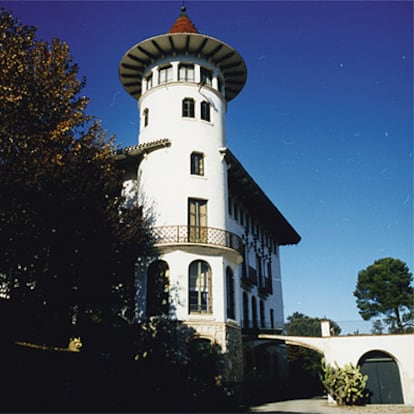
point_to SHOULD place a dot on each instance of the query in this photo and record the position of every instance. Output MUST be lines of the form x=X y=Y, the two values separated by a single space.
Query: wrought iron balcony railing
x=198 y=234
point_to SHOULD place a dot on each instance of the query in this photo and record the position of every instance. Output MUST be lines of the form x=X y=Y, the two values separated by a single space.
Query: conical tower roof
x=182 y=39
x=183 y=24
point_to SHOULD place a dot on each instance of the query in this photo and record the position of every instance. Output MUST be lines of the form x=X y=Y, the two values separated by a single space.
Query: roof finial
x=183 y=8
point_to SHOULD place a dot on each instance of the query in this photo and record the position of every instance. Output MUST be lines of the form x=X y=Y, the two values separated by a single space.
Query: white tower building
x=218 y=234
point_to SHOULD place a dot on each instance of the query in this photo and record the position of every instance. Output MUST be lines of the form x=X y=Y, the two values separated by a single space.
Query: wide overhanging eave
x=252 y=196
x=137 y=59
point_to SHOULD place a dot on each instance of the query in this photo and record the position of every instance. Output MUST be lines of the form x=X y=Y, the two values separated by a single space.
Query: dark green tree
x=68 y=242
x=305 y=364
x=384 y=289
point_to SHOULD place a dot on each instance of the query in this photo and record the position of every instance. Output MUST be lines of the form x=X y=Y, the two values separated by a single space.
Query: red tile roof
x=183 y=24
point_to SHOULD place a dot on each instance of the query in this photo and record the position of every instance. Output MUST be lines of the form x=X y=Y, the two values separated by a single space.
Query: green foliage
x=384 y=289
x=68 y=242
x=301 y=325
x=304 y=364
x=346 y=385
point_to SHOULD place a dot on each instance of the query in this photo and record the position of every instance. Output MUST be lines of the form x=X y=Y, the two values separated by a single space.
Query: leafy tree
x=305 y=364
x=68 y=241
x=384 y=289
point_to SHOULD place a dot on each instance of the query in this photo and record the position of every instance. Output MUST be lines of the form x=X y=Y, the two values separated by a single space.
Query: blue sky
x=324 y=123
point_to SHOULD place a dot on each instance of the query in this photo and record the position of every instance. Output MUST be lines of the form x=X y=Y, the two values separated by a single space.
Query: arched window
x=157 y=288
x=254 y=312
x=200 y=300
x=262 y=314
x=201 y=354
x=146 y=117
x=197 y=163
x=186 y=72
x=188 y=108
x=230 y=294
x=205 y=111
x=245 y=323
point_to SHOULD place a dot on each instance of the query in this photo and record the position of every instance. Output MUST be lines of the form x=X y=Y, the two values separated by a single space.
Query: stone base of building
x=227 y=336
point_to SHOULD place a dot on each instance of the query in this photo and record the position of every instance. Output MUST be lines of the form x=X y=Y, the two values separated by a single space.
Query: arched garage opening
x=384 y=382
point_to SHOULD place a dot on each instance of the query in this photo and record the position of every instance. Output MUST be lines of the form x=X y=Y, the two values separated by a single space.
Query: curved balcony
x=198 y=235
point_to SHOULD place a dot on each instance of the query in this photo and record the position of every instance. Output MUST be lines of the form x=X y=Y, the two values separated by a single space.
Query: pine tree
x=384 y=289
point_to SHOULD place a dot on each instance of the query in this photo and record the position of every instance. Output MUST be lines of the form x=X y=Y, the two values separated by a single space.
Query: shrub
x=346 y=385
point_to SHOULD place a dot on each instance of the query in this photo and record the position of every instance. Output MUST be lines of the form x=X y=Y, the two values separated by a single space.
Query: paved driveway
x=321 y=406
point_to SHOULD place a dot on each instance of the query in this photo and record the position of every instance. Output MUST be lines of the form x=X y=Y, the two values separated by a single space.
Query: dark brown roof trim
x=246 y=190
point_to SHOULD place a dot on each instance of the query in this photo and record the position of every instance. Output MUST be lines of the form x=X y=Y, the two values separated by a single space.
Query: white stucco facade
x=217 y=247
x=352 y=349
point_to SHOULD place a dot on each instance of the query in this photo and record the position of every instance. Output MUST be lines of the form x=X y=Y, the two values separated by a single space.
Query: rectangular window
x=197 y=163
x=186 y=72
x=230 y=204
x=188 y=108
x=165 y=74
x=205 y=111
x=146 y=117
x=259 y=270
x=148 y=82
x=197 y=220
x=220 y=84
x=206 y=76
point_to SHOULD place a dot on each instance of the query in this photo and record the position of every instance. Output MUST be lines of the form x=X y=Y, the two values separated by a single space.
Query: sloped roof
x=183 y=24
x=247 y=191
x=182 y=39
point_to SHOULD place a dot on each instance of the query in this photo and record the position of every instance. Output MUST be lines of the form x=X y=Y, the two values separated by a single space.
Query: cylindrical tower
x=183 y=81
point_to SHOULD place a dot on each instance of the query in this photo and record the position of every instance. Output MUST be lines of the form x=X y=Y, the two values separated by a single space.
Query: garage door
x=384 y=382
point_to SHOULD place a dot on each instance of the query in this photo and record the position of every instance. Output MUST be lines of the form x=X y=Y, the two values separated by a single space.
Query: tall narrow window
x=230 y=294
x=197 y=220
x=259 y=270
x=205 y=111
x=157 y=288
x=262 y=314
x=146 y=117
x=200 y=300
x=188 y=108
x=186 y=72
x=165 y=74
x=197 y=163
x=254 y=312
x=220 y=84
x=245 y=323
x=148 y=81
x=206 y=76
x=272 y=319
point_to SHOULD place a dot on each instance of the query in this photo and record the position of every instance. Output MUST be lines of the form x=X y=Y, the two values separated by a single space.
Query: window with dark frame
x=197 y=163
x=186 y=72
x=188 y=108
x=148 y=81
x=206 y=76
x=200 y=300
x=146 y=117
x=205 y=111
x=231 y=314
x=165 y=74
